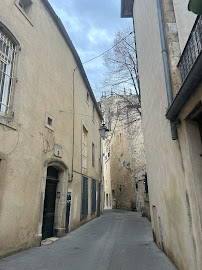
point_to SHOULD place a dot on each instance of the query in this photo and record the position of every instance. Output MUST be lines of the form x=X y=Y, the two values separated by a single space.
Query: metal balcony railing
x=192 y=49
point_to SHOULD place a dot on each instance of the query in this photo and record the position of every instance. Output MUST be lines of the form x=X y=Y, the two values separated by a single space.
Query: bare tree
x=121 y=63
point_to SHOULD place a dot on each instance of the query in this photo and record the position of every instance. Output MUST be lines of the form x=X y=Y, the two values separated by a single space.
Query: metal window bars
x=8 y=52
x=192 y=49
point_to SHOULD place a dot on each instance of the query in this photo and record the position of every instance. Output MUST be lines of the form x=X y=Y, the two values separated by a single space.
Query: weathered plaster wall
x=173 y=200
x=127 y=159
x=107 y=174
x=44 y=72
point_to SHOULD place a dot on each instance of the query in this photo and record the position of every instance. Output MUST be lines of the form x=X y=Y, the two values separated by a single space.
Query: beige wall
x=44 y=84
x=185 y=21
x=127 y=157
x=107 y=175
x=173 y=196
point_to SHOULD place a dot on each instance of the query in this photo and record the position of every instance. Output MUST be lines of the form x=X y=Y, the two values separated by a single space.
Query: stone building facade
x=123 y=161
x=50 y=149
x=169 y=45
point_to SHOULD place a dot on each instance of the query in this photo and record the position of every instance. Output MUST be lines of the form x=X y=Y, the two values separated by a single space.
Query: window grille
x=93 y=196
x=84 y=199
x=84 y=160
x=8 y=53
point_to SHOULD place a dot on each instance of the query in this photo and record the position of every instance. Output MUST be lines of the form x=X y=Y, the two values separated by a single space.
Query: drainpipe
x=166 y=67
x=73 y=130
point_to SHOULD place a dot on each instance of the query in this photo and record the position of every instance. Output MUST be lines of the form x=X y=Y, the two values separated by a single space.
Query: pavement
x=118 y=240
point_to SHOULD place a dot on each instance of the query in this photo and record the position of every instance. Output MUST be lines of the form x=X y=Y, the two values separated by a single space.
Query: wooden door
x=49 y=209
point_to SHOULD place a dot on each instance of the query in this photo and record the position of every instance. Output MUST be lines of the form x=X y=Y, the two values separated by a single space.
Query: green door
x=68 y=206
x=49 y=209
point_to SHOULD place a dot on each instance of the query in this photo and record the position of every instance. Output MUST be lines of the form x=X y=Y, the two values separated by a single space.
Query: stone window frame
x=84 y=150
x=9 y=49
x=50 y=122
x=27 y=14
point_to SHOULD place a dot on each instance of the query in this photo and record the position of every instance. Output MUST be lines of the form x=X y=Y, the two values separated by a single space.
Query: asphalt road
x=118 y=240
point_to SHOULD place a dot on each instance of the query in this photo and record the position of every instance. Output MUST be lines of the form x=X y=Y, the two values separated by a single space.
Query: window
x=26 y=6
x=84 y=159
x=93 y=155
x=107 y=200
x=84 y=197
x=113 y=194
x=93 y=196
x=8 y=51
x=49 y=123
x=118 y=108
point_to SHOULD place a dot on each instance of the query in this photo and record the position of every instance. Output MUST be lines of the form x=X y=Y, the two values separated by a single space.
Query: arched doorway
x=49 y=202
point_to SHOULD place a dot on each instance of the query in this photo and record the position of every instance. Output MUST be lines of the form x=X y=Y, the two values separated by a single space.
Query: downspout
x=166 y=67
x=73 y=130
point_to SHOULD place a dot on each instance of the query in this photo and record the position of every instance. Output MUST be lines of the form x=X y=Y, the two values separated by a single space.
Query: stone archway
x=60 y=198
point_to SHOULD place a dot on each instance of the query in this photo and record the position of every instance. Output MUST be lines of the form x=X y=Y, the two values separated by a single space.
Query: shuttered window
x=84 y=197
x=93 y=196
x=84 y=156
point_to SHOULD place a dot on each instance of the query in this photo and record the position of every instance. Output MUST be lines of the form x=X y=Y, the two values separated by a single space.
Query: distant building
x=123 y=160
x=169 y=46
x=50 y=152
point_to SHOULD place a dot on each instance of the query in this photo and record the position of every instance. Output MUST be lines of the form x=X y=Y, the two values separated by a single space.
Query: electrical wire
x=107 y=50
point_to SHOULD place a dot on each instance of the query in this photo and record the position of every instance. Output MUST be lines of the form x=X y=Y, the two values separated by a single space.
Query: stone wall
x=127 y=161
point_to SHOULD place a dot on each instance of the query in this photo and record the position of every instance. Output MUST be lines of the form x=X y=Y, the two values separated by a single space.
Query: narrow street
x=118 y=240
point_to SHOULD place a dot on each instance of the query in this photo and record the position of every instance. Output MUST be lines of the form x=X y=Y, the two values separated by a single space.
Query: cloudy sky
x=91 y=25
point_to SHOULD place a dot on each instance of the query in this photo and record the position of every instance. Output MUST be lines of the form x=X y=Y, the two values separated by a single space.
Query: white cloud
x=72 y=23
x=97 y=35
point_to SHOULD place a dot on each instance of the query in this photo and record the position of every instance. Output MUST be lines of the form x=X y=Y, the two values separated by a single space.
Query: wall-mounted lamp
x=103 y=131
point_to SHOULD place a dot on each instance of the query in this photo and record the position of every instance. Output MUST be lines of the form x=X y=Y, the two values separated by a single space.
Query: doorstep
x=48 y=241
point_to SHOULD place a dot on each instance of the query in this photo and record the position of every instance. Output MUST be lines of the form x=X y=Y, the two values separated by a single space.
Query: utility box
x=57 y=150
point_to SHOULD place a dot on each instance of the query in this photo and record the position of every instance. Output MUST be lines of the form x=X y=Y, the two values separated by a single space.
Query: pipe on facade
x=73 y=130
x=166 y=67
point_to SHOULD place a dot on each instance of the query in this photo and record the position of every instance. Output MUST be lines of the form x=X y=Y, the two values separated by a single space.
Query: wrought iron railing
x=192 y=49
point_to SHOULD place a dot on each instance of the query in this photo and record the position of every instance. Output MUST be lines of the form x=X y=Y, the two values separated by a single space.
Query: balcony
x=190 y=66
x=192 y=50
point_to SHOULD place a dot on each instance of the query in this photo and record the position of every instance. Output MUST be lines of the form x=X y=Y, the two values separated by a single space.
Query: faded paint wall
x=44 y=84
x=127 y=159
x=172 y=189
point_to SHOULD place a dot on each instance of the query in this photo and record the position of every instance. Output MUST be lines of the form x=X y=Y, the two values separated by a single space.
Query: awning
x=195 y=6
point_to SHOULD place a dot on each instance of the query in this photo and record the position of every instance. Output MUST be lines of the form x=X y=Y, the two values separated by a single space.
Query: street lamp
x=103 y=131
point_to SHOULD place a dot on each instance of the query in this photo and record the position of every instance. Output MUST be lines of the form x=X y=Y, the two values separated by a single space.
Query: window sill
x=8 y=123
x=23 y=12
